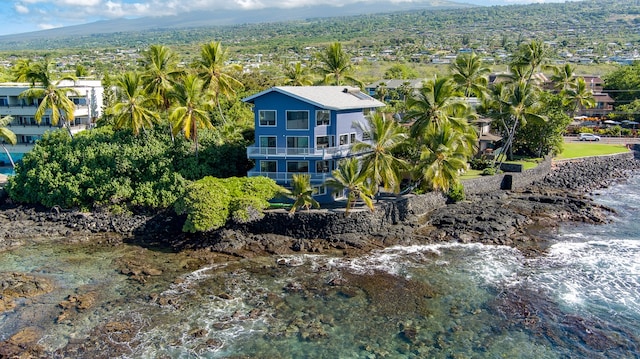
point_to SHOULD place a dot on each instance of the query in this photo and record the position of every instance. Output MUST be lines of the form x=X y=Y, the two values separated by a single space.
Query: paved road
x=612 y=140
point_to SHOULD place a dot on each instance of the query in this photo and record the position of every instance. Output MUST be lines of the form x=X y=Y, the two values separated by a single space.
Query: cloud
x=21 y=9
x=47 y=26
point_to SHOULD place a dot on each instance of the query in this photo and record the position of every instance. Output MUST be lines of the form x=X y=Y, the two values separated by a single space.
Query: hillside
x=143 y=29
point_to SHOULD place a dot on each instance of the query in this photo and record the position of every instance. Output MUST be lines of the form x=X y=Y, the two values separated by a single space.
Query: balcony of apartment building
x=319 y=152
x=287 y=177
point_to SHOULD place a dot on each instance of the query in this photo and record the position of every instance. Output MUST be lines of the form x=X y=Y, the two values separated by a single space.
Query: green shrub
x=480 y=163
x=456 y=193
x=206 y=204
x=489 y=171
x=210 y=202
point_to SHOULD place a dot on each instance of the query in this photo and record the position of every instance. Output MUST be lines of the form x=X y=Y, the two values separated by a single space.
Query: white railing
x=286 y=177
x=324 y=153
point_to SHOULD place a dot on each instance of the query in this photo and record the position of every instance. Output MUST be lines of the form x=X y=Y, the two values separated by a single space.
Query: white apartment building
x=88 y=100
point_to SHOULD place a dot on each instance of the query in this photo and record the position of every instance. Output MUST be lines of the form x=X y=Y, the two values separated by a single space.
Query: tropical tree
x=134 y=110
x=302 y=192
x=51 y=96
x=515 y=104
x=578 y=96
x=470 y=75
x=530 y=58
x=6 y=135
x=433 y=103
x=335 y=65
x=21 y=71
x=443 y=157
x=160 y=72
x=379 y=161
x=297 y=75
x=217 y=74
x=351 y=176
x=563 y=77
x=188 y=113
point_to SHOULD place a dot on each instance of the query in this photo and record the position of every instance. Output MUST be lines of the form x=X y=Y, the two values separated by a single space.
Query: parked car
x=588 y=137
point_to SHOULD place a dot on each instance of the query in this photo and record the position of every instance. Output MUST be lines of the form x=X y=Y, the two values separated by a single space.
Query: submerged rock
x=20 y=285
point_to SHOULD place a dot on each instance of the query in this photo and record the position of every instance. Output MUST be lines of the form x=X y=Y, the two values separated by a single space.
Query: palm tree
x=435 y=102
x=21 y=71
x=469 y=75
x=379 y=161
x=188 y=113
x=443 y=157
x=134 y=111
x=7 y=136
x=335 y=65
x=351 y=175
x=215 y=73
x=563 y=77
x=161 y=71
x=302 y=192
x=51 y=96
x=517 y=105
x=578 y=96
x=530 y=57
x=297 y=75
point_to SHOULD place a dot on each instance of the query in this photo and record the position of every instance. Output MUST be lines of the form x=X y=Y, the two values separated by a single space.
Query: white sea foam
x=604 y=274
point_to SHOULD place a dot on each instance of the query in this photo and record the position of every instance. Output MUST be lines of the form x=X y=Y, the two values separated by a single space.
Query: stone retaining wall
x=507 y=181
x=393 y=215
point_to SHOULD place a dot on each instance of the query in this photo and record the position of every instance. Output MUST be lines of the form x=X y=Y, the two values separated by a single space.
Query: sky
x=33 y=15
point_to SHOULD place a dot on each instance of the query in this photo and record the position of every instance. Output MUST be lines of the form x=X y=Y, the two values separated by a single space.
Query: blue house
x=307 y=129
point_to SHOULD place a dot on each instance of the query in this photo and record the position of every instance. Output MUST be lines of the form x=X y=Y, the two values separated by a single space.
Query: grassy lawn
x=471 y=174
x=575 y=150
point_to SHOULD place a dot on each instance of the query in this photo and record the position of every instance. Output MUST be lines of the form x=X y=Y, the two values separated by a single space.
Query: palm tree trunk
x=13 y=165
x=68 y=126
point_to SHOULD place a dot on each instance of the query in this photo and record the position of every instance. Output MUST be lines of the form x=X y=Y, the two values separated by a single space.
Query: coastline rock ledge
x=502 y=209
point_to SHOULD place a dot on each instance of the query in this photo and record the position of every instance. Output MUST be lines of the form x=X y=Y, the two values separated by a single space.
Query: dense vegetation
x=117 y=170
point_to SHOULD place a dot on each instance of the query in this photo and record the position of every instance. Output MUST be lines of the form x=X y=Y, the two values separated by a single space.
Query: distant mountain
x=224 y=17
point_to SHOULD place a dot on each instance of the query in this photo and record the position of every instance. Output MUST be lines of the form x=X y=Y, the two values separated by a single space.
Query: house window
x=366 y=136
x=325 y=141
x=344 y=140
x=319 y=190
x=297 y=145
x=298 y=142
x=353 y=138
x=268 y=145
x=268 y=166
x=297 y=120
x=3 y=101
x=298 y=166
x=322 y=167
x=267 y=118
x=323 y=118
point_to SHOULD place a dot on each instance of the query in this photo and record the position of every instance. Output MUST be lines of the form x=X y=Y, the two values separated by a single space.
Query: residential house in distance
x=88 y=101
x=307 y=129
x=486 y=139
x=604 y=102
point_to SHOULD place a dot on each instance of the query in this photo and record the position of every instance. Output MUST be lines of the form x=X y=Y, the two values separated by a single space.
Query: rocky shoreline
x=498 y=217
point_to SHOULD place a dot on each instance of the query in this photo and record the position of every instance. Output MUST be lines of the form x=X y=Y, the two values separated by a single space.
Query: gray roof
x=327 y=97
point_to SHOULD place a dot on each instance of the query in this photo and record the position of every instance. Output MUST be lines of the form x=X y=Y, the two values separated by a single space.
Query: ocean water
x=581 y=299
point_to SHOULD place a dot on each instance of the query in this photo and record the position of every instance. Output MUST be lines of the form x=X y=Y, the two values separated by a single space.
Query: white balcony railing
x=286 y=177
x=317 y=152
